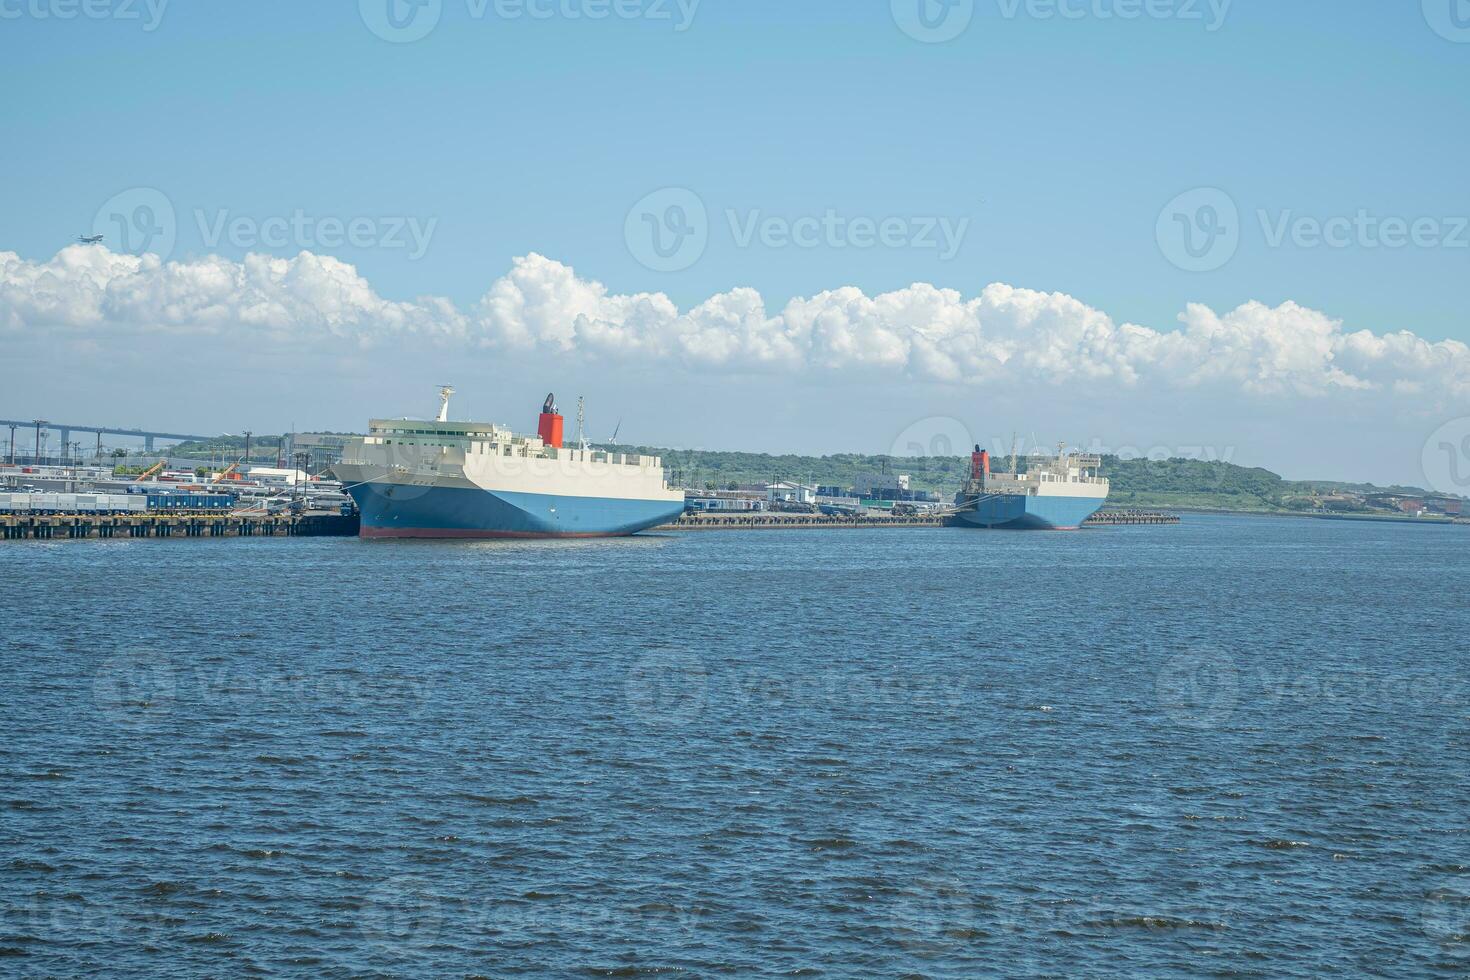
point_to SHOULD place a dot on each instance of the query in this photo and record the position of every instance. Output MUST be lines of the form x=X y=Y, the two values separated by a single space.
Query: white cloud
x=922 y=332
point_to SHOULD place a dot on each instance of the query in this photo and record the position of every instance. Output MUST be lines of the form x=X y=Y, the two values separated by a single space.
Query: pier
x=764 y=520
x=15 y=527
x=1112 y=517
x=769 y=520
x=175 y=525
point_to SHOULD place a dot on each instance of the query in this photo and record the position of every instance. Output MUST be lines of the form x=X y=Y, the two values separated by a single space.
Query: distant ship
x=442 y=479
x=1055 y=493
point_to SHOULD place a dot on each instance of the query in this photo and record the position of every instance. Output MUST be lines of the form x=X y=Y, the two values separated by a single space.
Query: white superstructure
x=1063 y=475
x=488 y=456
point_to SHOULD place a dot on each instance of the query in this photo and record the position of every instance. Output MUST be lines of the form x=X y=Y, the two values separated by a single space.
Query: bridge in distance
x=67 y=429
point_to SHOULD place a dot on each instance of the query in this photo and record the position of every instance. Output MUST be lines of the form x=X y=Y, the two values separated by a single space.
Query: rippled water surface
x=1237 y=747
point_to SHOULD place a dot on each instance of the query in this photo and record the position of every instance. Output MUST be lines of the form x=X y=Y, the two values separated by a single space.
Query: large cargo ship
x=1054 y=493
x=443 y=479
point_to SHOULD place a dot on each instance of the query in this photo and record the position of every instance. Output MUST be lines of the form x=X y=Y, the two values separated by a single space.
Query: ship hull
x=396 y=510
x=1028 y=512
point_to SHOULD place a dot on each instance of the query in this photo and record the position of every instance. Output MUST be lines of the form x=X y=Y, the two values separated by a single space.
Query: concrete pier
x=14 y=527
x=767 y=520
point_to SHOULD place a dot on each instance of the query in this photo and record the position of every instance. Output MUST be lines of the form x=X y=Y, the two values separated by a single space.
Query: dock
x=1113 y=517
x=769 y=520
x=175 y=525
x=15 y=527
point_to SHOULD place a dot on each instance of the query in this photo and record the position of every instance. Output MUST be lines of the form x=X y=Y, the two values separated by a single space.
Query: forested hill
x=1136 y=482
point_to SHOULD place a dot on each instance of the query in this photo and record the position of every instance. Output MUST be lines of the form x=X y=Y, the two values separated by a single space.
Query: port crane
x=152 y=471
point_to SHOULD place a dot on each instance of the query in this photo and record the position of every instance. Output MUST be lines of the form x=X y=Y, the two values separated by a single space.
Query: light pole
x=303 y=460
x=38 y=424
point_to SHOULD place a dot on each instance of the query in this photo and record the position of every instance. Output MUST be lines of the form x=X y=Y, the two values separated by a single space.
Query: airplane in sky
x=90 y=239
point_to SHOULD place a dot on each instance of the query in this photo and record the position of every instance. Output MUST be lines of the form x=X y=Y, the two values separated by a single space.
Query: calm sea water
x=1236 y=747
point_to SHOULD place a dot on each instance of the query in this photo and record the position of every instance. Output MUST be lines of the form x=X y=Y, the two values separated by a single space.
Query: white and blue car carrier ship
x=443 y=479
x=1055 y=493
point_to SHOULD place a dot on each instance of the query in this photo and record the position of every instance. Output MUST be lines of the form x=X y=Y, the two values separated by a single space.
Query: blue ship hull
x=1026 y=512
x=404 y=511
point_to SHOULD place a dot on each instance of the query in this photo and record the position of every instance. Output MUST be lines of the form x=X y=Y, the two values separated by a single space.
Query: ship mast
x=444 y=392
x=581 y=442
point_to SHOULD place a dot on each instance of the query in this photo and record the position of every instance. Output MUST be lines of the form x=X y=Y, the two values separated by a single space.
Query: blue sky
x=1055 y=141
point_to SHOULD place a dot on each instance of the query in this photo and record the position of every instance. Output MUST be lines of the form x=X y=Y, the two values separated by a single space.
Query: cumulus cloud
x=922 y=332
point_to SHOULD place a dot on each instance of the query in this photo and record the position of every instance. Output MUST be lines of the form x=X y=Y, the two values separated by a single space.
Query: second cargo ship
x=1054 y=493
x=443 y=479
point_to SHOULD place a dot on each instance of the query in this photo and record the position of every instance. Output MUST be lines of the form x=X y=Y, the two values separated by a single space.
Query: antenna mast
x=581 y=442
x=444 y=392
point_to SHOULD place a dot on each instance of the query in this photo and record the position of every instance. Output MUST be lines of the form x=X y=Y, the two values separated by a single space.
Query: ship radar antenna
x=444 y=392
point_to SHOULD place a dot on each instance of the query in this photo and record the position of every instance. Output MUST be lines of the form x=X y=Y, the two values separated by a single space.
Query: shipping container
x=164 y=500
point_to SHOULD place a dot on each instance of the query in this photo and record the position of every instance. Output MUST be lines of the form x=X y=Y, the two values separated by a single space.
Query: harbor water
x=1233 y=747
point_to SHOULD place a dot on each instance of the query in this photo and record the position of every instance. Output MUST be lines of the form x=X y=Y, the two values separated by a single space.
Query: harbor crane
x=152 y=471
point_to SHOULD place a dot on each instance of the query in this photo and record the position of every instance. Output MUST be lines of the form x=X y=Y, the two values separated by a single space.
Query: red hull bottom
x=461 y=534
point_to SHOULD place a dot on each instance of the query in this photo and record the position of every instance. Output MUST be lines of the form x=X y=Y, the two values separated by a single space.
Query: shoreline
x=1368 y=518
